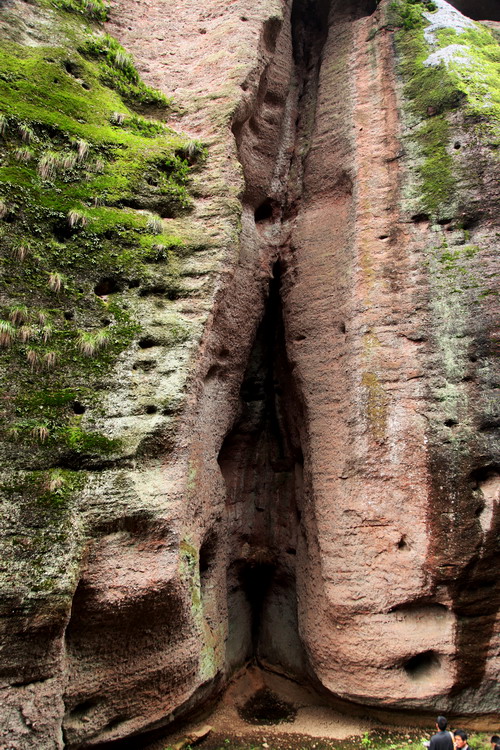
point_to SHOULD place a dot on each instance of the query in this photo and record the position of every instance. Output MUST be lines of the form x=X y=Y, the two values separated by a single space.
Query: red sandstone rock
x=317 y=511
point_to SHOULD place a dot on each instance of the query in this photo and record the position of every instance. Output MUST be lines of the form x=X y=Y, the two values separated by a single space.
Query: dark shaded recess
x=207 y=560
x=264 y=212
x=259 y=460
x=421 y=604
x=478 y=10
x=107 y=285
x=81 y=709
x=475 y=589
x=420 y=665
x=73 y=68
x=99 y=636
x=264 y=707
x=256 y=579
x=147 y=342
x=206 y=696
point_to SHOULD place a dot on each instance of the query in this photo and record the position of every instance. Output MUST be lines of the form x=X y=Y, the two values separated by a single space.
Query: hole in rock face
x=264 y=212
x=147 y=342
x=146 y=365
x=264 y=707
x=485 y=473
x=423 y=665
x=151 y=409
x=402 y=544
x=478 y=10
x=83 y=708
x=106 y=285
x=79 y=408
x=72 y=68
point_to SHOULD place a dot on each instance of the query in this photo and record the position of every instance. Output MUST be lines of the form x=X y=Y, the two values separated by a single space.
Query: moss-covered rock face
x=88 y=173
x=450 y=75
x=96 y=245
x=449 y=65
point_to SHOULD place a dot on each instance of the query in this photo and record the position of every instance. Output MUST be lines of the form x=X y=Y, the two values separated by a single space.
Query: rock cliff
x=248 y=334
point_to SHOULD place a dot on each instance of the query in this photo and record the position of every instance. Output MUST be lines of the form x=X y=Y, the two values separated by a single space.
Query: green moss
x=117 y=70
x=430 y=94
x=95 y=10
x=433 y=92
x=478 y=79
x=81 y=175
x=438 y=182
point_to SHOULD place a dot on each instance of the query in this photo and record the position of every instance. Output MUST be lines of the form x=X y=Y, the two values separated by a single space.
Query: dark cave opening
x=260 y=460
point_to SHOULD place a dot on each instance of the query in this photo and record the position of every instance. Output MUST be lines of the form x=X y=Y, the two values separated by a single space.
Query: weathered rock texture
x=325 y=499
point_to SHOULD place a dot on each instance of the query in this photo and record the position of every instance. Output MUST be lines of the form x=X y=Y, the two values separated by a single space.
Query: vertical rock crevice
x=261 y=461
x=262 y=457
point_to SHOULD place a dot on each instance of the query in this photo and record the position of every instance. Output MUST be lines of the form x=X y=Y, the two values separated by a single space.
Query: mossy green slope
x=88 y=169
x=434 y=92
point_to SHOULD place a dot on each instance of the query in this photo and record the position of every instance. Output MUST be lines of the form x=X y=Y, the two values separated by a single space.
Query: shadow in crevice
x=261 y=461
x=478 y=10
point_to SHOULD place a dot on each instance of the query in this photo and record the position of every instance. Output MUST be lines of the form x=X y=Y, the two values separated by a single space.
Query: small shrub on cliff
x=7 y=333
x=89 y=342
x=95 y=10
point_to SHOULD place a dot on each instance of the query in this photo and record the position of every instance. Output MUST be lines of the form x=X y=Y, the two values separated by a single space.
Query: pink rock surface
x=323 y=510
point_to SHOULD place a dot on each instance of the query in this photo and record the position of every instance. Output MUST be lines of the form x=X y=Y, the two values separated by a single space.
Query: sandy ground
x=312 y=721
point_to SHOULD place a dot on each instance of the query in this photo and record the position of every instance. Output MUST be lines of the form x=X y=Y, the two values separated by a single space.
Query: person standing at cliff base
x=442 y=740
x=460 y=740
x=495 y=740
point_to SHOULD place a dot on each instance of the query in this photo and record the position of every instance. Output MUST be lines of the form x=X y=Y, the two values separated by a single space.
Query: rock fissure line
x=262 y=457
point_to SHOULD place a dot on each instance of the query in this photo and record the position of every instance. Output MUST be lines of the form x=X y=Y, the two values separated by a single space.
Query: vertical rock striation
x=323 y=498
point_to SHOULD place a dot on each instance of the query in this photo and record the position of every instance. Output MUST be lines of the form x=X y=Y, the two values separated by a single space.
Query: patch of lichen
x=38 y=531
x=84 y=183
x=376 y=405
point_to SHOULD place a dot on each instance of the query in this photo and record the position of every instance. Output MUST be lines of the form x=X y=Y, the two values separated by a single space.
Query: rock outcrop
x=287 y=448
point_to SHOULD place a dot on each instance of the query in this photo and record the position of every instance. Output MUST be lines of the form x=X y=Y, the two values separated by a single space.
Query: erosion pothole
x=264 y=707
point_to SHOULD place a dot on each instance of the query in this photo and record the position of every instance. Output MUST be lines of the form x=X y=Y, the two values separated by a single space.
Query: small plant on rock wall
x=33 y=358
x=117 y=118
x=47 y=166
x=3 y=209
x=56 y=282
x=49 y=360
x=67 y=161
x=18 y=314
x=54 y=480
x=20 y=252
x=26 y=333
x=76 y=219
x=24 y=154
x=89 y=342
x=46 y=333
x=82 y=148
x=41 y=433
x=154 y=224
x=27 y=134
x=7 y=333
